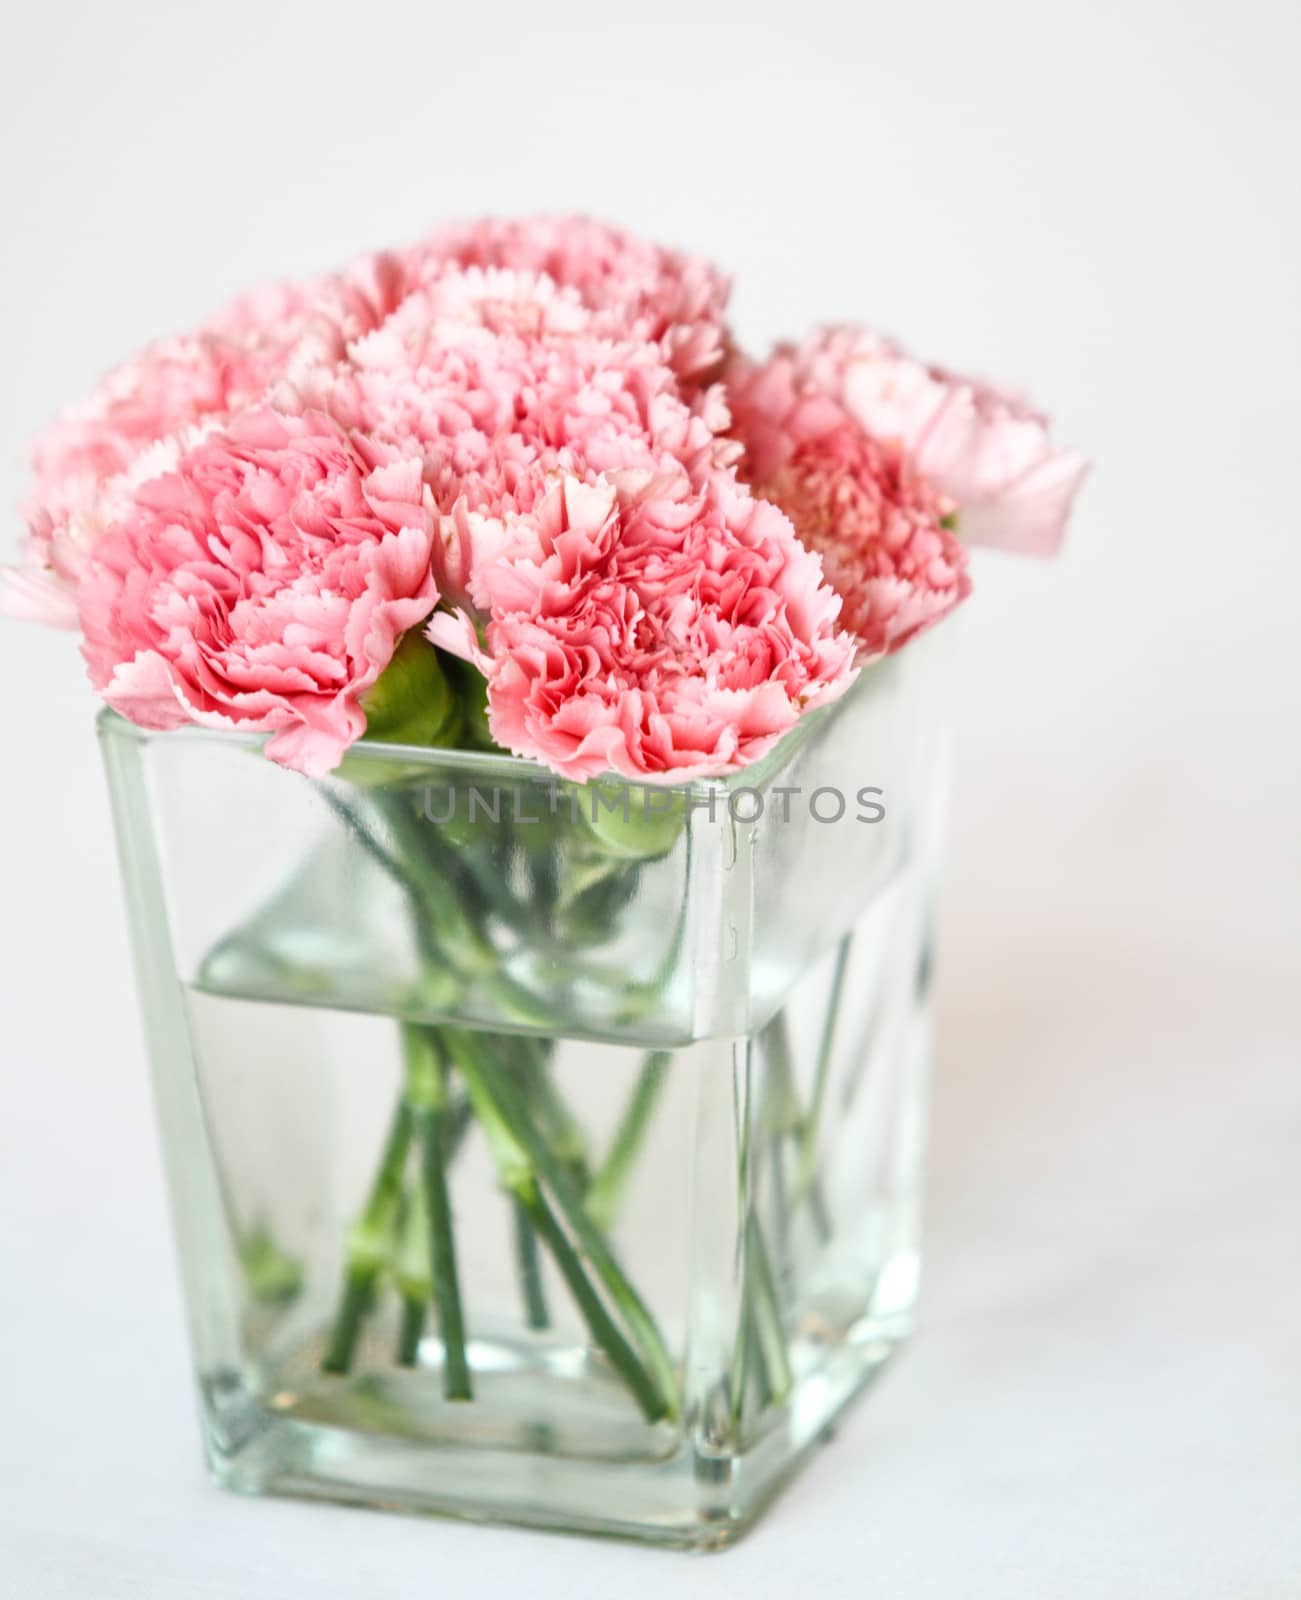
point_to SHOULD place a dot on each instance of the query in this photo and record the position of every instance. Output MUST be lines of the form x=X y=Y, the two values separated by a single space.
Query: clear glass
x=540 y=1153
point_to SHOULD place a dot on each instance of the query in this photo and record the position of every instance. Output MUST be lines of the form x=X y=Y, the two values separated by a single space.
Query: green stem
x=536 y=1314
x=414 y=1250
x=431 y=870
x=486 y=878
x=742 y=1359
x=808 y=1143
x=564 y=1131
x=447 y=1287
x=524 y=1157
x=411 y=1330
x=426 y=1094
x=346 y=1328
x=598 y=1319
x=429 y=875
x=591 y=1240
x=411 y=1270
x=370 y=1243
x=748 y=1363
x=764 y=1395
x=457 y=1116
x=791 y=1121
x=780 y=1212
x=764 y=1306
x=760 y=1337
x=606 y=1192
x=433 y=958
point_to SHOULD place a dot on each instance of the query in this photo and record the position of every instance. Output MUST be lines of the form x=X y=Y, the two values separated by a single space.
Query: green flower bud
x=412 y=701
x=473 y=695
x=630 y=823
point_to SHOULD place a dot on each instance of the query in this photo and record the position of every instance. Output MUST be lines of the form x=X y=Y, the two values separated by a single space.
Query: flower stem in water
x=370 y=1242
x=598 y=1319
x=808 y=1143
x=605 y=1195
x=536 y=1314
x=426 y=1095
x=525 y=1160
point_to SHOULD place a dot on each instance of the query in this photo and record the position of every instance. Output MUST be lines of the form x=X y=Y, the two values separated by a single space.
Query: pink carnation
x=500 y=381
x=646 y=626
x=878 y=526
x=526 y=419
x=174 y=384
x=262 y=583
x=635 y=289
x=990 y=453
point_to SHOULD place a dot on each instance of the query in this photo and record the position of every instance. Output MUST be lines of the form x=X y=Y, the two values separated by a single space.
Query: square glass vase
x=540 y=1153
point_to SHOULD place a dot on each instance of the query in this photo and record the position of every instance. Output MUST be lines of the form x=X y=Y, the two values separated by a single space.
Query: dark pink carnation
x=262 y=583
x=652 y=627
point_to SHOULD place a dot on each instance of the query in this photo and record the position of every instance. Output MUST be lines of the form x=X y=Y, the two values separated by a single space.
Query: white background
x=1095 y=201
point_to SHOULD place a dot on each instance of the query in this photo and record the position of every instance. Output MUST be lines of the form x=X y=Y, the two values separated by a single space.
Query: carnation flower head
x=617 y=286
x=877 y=524
x=650 y=626
x=500 y=380
x=262 y=583
x=502 y=300
x=486 y=359
x=635 y=289
x=174 y=384
x=987 y=450
x=539 y=424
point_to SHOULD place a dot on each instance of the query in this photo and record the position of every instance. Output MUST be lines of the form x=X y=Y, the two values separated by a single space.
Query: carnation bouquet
x=462 y=616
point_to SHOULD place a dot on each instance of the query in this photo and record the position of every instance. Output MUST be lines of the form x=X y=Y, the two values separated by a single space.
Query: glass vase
x=540 y=1153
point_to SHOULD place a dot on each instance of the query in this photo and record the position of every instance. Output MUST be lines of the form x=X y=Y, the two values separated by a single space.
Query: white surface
x=1097 y=201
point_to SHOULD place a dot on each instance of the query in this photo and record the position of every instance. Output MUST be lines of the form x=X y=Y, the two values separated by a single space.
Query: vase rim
x=500 y=767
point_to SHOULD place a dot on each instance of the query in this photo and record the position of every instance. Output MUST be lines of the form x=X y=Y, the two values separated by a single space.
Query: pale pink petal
x=144 y=691
x=36 y=594
x=991 y=454
x=454 y=632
